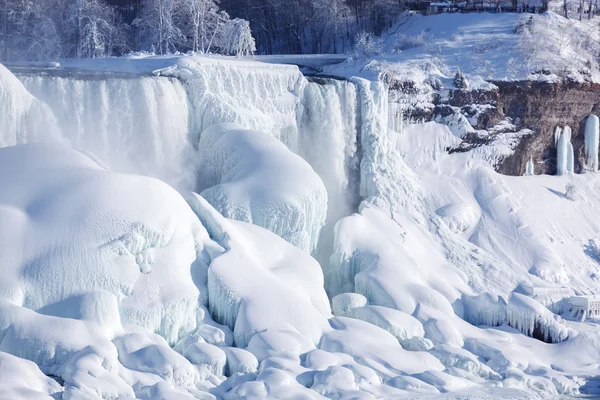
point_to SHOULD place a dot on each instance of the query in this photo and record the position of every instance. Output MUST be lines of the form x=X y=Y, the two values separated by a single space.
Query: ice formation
x=485 y=309
x=535 y=320
x=139 y=250
x=251 y=176
x=530 y=168
x=564 y=151
x=592 y=133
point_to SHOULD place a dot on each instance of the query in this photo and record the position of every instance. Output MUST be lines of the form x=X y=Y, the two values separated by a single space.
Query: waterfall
x=151 y=125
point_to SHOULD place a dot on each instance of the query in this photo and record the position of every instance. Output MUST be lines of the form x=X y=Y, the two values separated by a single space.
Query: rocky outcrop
x=535 y=105
x=542 y=107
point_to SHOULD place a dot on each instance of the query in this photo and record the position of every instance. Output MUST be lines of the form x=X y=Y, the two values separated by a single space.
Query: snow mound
x=22 y=379
x=251 y=176
x=342 y=303
x=258 y=272
x=459 y=217
x=101 y=232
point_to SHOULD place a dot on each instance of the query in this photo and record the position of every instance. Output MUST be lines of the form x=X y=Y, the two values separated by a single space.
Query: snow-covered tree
x=90 y=28
x=156 y=26
x=237 y=39
x=367 y=44
x=203 y=22
x=459 y=80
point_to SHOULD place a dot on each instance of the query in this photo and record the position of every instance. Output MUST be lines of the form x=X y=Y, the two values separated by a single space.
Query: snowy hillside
x=489 y=46
x=203 y=227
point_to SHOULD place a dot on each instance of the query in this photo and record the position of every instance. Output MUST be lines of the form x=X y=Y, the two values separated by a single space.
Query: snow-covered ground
x=118 y=281
x=485 y=46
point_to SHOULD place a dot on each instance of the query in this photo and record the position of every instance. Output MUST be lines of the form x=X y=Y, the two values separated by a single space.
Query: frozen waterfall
x=152 y=125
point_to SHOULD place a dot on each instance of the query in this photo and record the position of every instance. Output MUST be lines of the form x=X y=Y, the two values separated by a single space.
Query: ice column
x=592 y=131
x=530 y=168
x=564 y=151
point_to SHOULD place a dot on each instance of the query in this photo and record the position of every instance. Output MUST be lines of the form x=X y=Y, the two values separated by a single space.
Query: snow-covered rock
x=535 y=320
x=342 y=303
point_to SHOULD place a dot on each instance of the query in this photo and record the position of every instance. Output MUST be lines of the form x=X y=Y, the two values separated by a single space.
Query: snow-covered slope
x=485 y=46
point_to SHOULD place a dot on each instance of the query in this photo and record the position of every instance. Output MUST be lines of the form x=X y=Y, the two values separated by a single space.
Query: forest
x=35 y=30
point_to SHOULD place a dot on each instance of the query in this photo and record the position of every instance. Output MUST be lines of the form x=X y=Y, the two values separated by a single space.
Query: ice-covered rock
x=400 y=324
x=535 y=320
x=129 y=236
x=485 y=309
x=151 y=353
x=375 y=348
x=278 y=344
x=239 y=361
x=22 y=379
x=251 y=176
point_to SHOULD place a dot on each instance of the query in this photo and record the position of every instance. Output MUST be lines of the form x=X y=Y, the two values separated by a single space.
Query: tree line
x=313 y=26
x=49 y=29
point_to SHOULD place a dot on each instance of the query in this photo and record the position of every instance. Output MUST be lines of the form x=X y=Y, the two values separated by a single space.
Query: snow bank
x=250 y=176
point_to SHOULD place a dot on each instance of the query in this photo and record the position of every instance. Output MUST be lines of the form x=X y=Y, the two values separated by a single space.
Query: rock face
x=539 y=106
x=542 y=107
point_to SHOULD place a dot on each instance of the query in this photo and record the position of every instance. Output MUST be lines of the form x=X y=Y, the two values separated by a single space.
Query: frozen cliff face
x=165 y=126
x=251 y=176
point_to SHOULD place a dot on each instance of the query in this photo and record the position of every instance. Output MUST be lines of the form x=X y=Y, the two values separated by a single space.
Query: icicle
x=592 y=133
